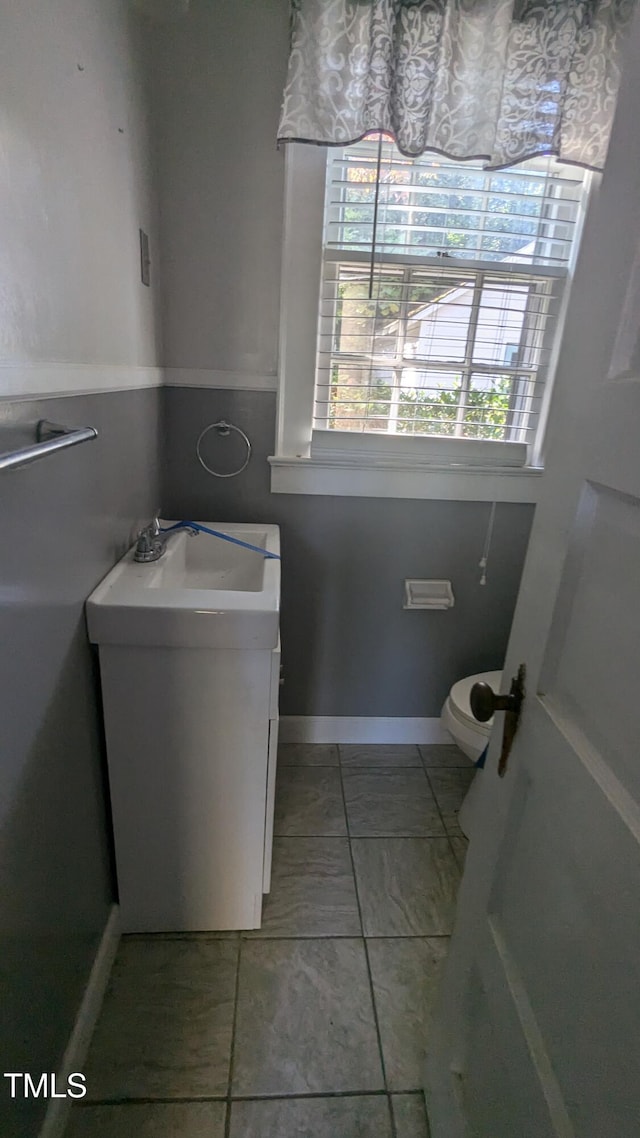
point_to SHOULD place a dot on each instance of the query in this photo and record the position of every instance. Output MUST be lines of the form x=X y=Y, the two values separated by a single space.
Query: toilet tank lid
x=461 y=692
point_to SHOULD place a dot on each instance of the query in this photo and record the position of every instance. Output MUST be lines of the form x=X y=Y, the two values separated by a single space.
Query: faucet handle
x=152 y=529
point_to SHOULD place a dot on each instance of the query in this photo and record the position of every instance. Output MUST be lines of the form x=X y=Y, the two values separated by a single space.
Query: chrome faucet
x=152 y=543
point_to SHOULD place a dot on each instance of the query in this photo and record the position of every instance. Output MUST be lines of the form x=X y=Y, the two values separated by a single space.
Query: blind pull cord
x=376 y=203
x=484 y=560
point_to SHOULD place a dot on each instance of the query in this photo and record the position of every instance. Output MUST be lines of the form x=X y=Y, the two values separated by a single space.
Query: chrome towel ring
x=223 y=428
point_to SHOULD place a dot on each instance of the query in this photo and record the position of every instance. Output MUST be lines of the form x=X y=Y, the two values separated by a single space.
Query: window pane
x=363 y=324
x=358 y=398
x=439 y=329
x=428 y=402
x=501 y=315
x=487 y=406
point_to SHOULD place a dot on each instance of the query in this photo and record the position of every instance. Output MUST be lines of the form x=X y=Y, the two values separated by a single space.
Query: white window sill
x=397 y=479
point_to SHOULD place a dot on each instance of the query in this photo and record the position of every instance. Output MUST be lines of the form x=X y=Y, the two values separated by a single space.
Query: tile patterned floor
x=315 y=1025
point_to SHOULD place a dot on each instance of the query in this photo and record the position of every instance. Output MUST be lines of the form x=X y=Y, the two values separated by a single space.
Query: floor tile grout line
x=349 y=936
x=459 y=862
x=401 y=838
x=366 y=838
x=446 y=828
x=220 y=935
x=379 y=766
x=423 y=1100
x=310 y=835
x=232 y=1052
x=372 y=768
x=382 y=768
x=343 y=936
x=445 y=834
x=282 y=820
x=378 y=838
x=381 y=1093
x=222 y=1100
x=388 y=770
x=392 y=1116
x=448 y=766
x=461 y=766
x=295 y=837
x=366 y=953
x=358 y=938
x=308 y=766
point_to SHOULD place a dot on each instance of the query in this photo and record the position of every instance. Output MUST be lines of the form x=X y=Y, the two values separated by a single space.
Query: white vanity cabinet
x=192 y=734
x=191 y=744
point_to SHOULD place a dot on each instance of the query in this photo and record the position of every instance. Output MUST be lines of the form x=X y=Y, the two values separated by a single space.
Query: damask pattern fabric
x=497 y=80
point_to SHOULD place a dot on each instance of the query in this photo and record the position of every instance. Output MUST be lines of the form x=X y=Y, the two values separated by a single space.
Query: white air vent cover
x=428 y=594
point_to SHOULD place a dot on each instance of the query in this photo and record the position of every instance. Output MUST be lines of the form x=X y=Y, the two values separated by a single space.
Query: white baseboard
x=361 y=729
x=57 y=1115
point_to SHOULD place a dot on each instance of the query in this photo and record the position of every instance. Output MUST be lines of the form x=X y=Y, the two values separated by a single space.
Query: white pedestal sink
x=189 y=665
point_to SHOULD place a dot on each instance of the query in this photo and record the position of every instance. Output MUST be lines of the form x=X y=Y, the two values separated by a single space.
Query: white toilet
x=470 y=735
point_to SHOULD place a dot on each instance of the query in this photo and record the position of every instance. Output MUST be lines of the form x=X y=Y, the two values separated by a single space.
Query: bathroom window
x=432 y=333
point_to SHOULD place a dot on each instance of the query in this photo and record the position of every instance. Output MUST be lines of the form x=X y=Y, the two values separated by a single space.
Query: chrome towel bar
x=50 y=438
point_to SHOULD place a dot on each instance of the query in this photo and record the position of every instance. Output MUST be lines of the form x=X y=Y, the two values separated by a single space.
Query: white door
x=537 y=1031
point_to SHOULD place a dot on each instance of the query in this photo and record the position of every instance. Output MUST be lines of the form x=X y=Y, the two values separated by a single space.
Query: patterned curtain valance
x=496 y=80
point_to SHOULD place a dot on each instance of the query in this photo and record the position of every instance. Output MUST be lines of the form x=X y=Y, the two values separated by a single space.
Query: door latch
x=485 y=702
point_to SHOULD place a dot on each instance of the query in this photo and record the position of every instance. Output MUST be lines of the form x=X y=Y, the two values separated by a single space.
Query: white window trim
x=367 y=468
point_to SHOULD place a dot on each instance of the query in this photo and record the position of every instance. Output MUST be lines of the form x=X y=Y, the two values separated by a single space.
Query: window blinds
x=441 y=288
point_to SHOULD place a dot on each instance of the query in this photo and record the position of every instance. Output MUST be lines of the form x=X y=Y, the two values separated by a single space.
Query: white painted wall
x=217 y=78
x=74 y=188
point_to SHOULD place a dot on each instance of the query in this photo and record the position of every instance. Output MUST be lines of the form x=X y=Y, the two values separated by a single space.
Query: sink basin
x=202 y=593
x=199 y=561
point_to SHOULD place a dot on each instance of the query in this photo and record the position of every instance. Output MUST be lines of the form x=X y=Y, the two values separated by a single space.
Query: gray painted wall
x=348 y=646
x=64 y=522
x=216 y=79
